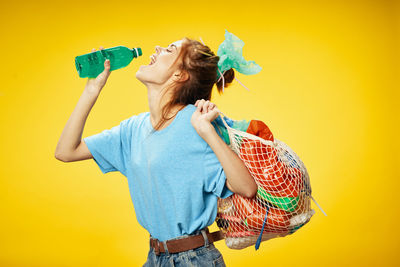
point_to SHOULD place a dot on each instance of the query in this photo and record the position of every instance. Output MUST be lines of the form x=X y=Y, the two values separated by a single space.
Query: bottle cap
x=137 y=51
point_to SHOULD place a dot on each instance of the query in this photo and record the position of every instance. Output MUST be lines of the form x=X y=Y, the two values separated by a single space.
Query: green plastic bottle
x=92 y=64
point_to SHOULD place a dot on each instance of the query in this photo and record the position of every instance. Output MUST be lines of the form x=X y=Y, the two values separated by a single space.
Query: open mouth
x=153 y=60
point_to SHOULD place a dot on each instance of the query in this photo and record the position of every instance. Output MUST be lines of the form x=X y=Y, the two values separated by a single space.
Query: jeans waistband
x=197 y=232
x=168 y=247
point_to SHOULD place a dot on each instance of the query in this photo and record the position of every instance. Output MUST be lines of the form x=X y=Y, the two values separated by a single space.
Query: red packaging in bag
x=257 y=156
x=253 y=215
x=260 y=129
x=277 y=220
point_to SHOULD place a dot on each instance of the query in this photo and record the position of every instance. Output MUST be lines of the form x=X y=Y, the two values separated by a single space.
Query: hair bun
x=229 y=75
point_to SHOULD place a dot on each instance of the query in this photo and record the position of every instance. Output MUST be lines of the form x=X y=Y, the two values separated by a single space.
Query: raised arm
x=70 y=146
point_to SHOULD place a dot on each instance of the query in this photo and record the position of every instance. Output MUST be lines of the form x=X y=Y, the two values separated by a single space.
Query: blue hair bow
x=231 y=56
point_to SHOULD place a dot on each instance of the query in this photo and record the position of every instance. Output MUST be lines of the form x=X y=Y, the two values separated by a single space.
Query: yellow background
x=328 y=88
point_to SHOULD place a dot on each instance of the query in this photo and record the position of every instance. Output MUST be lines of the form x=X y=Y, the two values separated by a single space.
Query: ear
x=181 y=76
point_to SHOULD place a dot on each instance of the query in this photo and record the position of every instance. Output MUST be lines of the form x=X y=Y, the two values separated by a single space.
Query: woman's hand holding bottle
x=94 y=85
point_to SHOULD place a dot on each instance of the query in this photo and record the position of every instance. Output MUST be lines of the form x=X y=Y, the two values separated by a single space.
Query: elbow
x=251 y=187
x=57 y=155
x=60 y=157
x=252 y=192
x=247 y=190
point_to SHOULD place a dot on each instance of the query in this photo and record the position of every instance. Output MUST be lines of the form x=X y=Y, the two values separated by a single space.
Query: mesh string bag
x=282 y=203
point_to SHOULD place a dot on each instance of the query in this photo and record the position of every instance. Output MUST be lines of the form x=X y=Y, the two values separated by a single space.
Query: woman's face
x=161 y=69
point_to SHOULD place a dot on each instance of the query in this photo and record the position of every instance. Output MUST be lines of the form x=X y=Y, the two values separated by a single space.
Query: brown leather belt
x=186 y=243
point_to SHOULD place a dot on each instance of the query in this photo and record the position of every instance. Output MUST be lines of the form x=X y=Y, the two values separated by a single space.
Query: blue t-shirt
x=174 y=176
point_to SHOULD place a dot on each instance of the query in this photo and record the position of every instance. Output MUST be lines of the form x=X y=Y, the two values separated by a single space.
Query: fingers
x=211 y=106
x=106 y=62
x=204 y=106
x=199 y=105
x=107 y=65
x=94 y=49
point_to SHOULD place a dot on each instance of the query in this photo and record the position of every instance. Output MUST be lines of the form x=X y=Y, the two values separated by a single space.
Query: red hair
x=199 y=72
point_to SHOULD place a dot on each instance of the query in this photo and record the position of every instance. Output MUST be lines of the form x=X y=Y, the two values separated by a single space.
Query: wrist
x=208 y=132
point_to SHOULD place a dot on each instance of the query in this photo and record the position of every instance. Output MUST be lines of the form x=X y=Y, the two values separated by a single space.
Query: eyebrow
x=174 y=45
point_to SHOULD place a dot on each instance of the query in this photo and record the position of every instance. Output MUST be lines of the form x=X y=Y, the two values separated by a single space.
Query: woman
x=175 y=162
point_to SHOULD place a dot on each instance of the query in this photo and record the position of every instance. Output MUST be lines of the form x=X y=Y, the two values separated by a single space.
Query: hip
x=204 y=255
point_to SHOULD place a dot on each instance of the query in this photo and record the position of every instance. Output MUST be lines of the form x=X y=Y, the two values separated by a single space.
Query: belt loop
x=166 y=248
x=157 y=247
x=206 y=243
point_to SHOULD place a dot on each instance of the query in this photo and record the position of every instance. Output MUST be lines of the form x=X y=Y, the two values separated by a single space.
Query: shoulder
x=188 y=110
x=186 y=113
x=136 y=119
x=132 y=123
x=191 y=107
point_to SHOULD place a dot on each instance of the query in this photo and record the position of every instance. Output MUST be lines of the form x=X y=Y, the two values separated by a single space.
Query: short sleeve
x=111 y=148
x=215 y=176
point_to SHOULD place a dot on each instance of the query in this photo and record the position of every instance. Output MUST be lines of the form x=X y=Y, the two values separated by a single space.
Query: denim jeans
x=207 y=256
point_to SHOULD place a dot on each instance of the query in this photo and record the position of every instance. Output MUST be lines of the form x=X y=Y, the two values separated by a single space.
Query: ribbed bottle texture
x=90 y=65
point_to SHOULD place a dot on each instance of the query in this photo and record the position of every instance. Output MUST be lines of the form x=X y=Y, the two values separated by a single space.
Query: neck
x=154 y=93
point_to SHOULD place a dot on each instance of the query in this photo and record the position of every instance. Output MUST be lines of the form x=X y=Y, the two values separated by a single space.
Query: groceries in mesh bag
x=282 y=204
